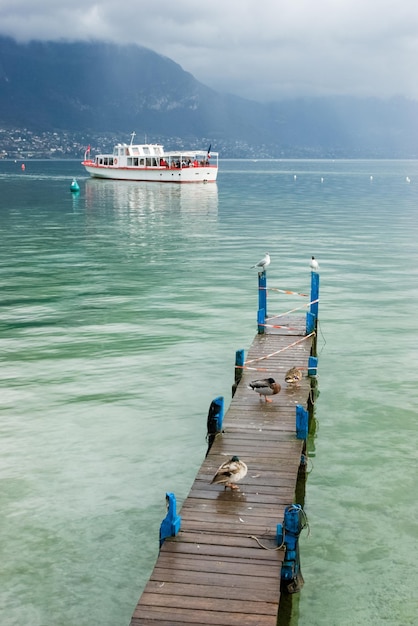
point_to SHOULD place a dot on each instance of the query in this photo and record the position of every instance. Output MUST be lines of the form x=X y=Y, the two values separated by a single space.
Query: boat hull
x=201 y=174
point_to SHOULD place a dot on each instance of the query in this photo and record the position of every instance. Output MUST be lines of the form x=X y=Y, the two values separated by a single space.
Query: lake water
x=121 y=311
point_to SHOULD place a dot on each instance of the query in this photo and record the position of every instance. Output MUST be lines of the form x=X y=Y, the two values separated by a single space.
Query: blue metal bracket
x=312 y=366
x=170 y=525
x=310 y=323
x=240 y=359
x=302 y=421
x=261 y=318
x=288 y=535
x=215 y=420
x=239 y=369
x=216 y=415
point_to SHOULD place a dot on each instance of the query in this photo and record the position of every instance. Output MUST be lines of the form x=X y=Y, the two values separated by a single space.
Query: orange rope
x=278 y=326
x=289 y=293
x=268 y=369
x=261 y=358
x=293 y=310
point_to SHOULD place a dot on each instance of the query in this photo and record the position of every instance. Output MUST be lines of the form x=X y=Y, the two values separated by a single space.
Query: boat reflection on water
x=140 y=199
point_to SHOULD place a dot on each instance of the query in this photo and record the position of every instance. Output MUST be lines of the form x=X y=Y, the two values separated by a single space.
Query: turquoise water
x=121 y=311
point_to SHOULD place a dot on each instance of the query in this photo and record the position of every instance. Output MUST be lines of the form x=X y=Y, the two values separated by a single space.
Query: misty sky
x=258 y=49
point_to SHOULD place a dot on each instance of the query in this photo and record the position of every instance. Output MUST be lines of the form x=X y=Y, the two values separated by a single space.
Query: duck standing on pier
x=265 y=387
x=230 y=473
x=293 y=376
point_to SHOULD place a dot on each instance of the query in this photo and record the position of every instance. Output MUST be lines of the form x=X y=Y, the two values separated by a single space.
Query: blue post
x=312 y=314
x=239 y=365
x=217 y=407
x=262 y=302
x=261 y=318
x=310 y=323
x=214 y=421
x=288 y=534
x=302 y=418
x=314 y=293
x=312 y=366
x=170 y=525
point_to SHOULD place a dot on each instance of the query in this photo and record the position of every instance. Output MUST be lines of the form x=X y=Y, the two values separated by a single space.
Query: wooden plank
x=193 y=617
x=223 y=590
x=241 y=581
x=203 y=603
x=253 y=568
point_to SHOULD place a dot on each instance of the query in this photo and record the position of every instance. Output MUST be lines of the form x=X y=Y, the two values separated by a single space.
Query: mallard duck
x=294 y=375
x=263 y=263
x=230 y=473
x=314 y=265
x=265 y=387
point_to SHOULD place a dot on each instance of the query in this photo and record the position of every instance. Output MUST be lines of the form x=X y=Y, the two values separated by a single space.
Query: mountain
x=98 y=88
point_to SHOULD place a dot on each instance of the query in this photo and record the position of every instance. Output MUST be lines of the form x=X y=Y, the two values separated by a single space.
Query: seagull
x=230 y=473
x=294 y=375
x=314 y=265
x=408 y=180
x=263 y=263
x=265 y=387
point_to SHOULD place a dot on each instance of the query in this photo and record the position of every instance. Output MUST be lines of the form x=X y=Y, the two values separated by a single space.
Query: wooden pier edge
x=228 y=555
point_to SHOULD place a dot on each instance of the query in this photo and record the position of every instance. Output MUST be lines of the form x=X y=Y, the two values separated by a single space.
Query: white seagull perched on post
x=314 y=265
x=263 y=263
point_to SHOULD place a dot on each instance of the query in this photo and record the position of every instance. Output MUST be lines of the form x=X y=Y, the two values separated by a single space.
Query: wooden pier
x=232 y=553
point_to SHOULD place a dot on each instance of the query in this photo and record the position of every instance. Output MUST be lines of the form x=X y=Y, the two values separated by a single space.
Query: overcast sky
x=258 y=49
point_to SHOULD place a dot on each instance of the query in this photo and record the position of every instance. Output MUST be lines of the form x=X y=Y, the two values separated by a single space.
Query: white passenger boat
x=151 y=163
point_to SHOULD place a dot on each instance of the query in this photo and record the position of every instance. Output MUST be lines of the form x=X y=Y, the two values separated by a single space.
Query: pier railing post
x=215 y=419
x=170 y=525
x=312 y=314
x=239 y=364
x=262 y=302
x=314 y=293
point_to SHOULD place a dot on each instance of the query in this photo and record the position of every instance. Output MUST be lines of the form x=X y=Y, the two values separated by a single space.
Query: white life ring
x=115 y=161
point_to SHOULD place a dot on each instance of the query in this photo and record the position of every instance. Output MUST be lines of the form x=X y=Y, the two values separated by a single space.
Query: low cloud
x=264 y=51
